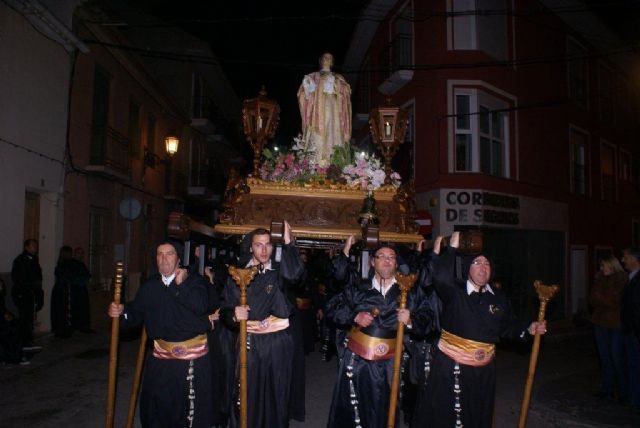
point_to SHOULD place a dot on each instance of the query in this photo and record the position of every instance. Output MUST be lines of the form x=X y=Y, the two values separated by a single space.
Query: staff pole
x=405 y=283
x=545 y=293
x=136 y=378
x=243 y=277
x=113 y=352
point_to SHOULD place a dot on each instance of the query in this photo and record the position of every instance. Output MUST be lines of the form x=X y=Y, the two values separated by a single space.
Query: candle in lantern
x=259 y=122
x=387 y=129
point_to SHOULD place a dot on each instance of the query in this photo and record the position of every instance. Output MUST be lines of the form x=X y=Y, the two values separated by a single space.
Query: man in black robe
x=460 y=389
x=370 y=309
x=176 y=386
x=269 y=342
x=27 y=292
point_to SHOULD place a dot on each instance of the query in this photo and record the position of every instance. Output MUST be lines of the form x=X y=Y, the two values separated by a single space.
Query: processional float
x=322 y=213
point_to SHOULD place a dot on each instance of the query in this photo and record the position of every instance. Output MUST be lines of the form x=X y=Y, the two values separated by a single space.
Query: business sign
x=477 y=207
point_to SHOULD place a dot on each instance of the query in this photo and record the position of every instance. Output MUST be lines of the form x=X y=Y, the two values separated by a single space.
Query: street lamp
x=171 y=143
x=388 y=126
x=260 y=117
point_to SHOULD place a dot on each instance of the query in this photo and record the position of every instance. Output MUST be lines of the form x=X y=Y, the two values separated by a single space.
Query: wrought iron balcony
x=109 y=152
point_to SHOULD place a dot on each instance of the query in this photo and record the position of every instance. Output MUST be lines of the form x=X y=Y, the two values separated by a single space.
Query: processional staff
x=243 y=277
x=113 y=353
x=405 y=283
x=545 y=293
x=136 y=378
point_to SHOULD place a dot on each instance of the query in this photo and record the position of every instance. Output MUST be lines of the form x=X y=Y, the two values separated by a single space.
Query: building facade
x=123 y=183
x=522 y=124
x=37 y=49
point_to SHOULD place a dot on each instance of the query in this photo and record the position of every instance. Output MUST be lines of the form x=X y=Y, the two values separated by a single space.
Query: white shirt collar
x=632 y=274
x=166 y=280
x=471 y=288
x=388 y=284
x=267 y=266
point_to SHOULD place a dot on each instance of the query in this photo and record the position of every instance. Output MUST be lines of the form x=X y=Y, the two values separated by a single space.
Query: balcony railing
x=110 y=151
x=398 y=54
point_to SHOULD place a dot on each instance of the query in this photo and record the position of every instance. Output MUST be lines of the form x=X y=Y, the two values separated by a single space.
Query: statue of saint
x=324 y=98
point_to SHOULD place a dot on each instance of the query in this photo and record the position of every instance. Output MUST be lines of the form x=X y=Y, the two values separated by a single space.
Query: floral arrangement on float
x=347 y=170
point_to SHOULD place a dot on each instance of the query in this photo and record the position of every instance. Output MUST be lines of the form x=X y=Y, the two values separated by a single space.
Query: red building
x=522 y=124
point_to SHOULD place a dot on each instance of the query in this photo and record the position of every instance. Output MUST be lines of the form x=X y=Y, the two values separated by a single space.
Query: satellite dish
x=130 y=208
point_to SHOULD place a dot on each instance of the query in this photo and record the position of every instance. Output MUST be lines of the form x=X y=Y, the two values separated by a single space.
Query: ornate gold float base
x=318 y=211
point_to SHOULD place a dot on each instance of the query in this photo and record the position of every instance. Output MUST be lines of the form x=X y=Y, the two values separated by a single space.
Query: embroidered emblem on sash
x=179 y=351
x=493 y=309
x=480 y=355
x=381 y=349
x=269 y=288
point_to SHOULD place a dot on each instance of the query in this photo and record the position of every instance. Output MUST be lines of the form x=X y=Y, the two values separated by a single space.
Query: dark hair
x=66 y=253
x=177 y=246
x=385 y=245
x=244 y=250
x=467 y=261
x=29 y=242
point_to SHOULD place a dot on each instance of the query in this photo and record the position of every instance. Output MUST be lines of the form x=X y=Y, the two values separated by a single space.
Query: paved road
x=65 y=386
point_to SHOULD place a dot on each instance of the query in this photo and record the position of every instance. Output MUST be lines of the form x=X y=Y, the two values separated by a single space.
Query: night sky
x=271 y=43
x=274 y=43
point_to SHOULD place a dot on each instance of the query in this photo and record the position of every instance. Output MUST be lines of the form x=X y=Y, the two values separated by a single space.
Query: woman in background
x=605 y=298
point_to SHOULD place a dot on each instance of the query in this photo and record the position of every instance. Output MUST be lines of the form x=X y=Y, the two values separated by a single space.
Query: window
x=404 y=160
x=607 y=171
x=198 y=97
x=402 y=38
x=151 y=134
x=473 y=24
x=577 y=73
x=491 y=142
x=363 y=97
x=624 y=170
x=481 y=133
x=134 y=127
x=462 y=24
x=578 y=158
x=605 y=94
x=100 y=115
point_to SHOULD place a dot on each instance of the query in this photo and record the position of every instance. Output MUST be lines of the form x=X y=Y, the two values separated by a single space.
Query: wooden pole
x=133 y=399
x=545 y=293
x=243 y=277
x=405 y=283
x=113 y=353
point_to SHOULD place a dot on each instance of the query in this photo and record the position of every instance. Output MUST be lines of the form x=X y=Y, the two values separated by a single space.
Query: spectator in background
x=630 y=317
x=80 y=305
x=605 y=298
x=27 y=292
x=61 y=294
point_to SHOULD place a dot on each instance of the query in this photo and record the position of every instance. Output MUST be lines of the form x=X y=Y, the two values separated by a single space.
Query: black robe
x=371 y=379
x=484 y=317
x=269 y=356
x=174 y=313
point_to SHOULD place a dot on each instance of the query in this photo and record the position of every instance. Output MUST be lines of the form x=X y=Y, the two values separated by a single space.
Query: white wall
x=34 y=83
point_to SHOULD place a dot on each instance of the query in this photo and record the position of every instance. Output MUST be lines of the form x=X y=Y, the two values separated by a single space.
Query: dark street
x=65 y=385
